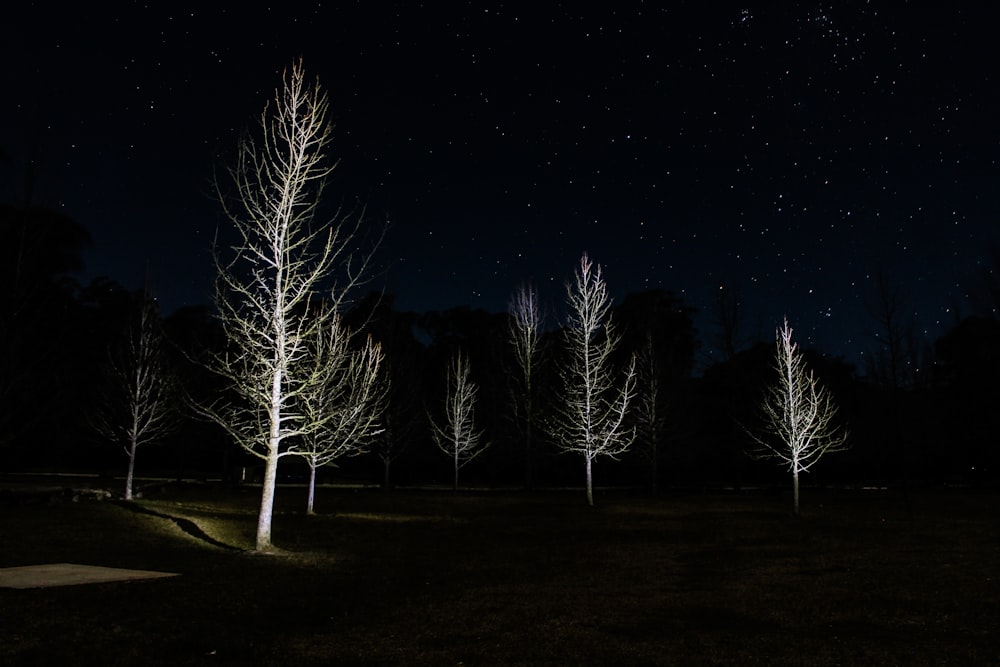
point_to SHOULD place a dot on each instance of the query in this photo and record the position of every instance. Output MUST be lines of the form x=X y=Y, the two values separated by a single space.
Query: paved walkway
x=69 y=574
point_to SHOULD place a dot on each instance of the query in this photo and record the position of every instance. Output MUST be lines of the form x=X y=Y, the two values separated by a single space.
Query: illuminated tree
x=457 y=436
x=284 y=254
x=136 y=406
x=341 y=399
x=799 y=416
x=524 y=335
x=591 y=417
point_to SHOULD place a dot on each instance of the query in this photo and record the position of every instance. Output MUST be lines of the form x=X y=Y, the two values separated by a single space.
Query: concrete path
x=69 y=574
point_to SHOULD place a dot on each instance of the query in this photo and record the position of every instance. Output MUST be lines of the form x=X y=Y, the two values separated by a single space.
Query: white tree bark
x=136 y=406
x=799 y=416
x=591 y=418
x=341 y=399
x=285 y=257
x=457 y=435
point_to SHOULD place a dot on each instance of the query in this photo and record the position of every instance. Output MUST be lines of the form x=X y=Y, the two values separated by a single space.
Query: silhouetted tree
x=968 y=364
x=658 y=328
x=893 y=364
x=525 y=338
x=729 y=320
x=401 y=374
x=38 y=250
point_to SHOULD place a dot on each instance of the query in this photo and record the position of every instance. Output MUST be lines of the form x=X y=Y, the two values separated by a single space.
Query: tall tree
x=525 y=338
x=798 y=415
x=650 y=407
x=39 y=249
x=284 y=253
x=893 y=364
x=341 y=400
x=729 y=319
x=137 y=403
x=457 y=436
x=591 y=416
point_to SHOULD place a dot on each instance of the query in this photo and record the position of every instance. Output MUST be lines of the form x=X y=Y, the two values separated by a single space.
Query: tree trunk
x=655 y=469
x=590 y=482
x=528 y=476
x=270 y=467
x=131 y=469
x=454 y=486
x=267 y=501
x=385 y=475
x=312 y=489
x=795 y=492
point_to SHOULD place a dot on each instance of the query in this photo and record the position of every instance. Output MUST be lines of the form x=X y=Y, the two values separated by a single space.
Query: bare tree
x=650 y=412
x=729 y=318
x=457 y=436
x=524 y=335
x=341 y=400
x=136 y=406
x=591 y=417
x=402 y=417
x=284 y=253
x=799 y=415
x=893 y=364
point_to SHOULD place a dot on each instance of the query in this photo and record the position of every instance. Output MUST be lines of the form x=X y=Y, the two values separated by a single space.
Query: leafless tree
x=285 y=253
x=649 y=411
x=457 y=435
x=402 y=417
x=525 y=337
x=799 y=416
x=341 y=399
x=137 y=403
x=591 y=417
x=894 y=363
x=729 y=318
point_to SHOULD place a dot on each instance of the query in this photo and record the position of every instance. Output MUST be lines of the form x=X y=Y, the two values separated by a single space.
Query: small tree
x=457 y=436
x=591 y=418
x=341 y=400
x=136 y=406
x=799 y=416
x=524 y=335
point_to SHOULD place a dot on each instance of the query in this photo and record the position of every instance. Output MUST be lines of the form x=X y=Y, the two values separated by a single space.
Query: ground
x=507 y=578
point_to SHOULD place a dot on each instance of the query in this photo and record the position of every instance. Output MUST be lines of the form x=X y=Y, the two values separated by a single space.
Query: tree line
x=295 y=363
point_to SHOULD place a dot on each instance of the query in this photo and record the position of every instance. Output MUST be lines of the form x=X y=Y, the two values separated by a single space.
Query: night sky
x=786 y=151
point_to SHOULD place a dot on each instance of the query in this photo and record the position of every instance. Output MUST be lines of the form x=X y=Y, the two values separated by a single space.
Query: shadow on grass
x=186 y=525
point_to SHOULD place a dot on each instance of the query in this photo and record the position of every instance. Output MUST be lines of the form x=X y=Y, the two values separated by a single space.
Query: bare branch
x=798 y=415
x=271 y=278
x=457 y=435
x=591 y=418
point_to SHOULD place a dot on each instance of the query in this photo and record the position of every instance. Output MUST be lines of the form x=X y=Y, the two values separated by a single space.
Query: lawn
x=435 y=578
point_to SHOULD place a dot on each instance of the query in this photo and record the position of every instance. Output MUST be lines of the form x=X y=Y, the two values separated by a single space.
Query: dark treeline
x=923 y=412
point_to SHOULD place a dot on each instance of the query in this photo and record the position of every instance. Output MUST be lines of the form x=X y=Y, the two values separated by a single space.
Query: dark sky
x=786 y=150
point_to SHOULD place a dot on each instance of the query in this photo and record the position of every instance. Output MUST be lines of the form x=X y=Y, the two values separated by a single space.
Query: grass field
x=435 y=578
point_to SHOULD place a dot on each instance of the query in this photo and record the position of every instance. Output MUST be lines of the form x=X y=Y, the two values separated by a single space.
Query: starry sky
x=786 y=151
